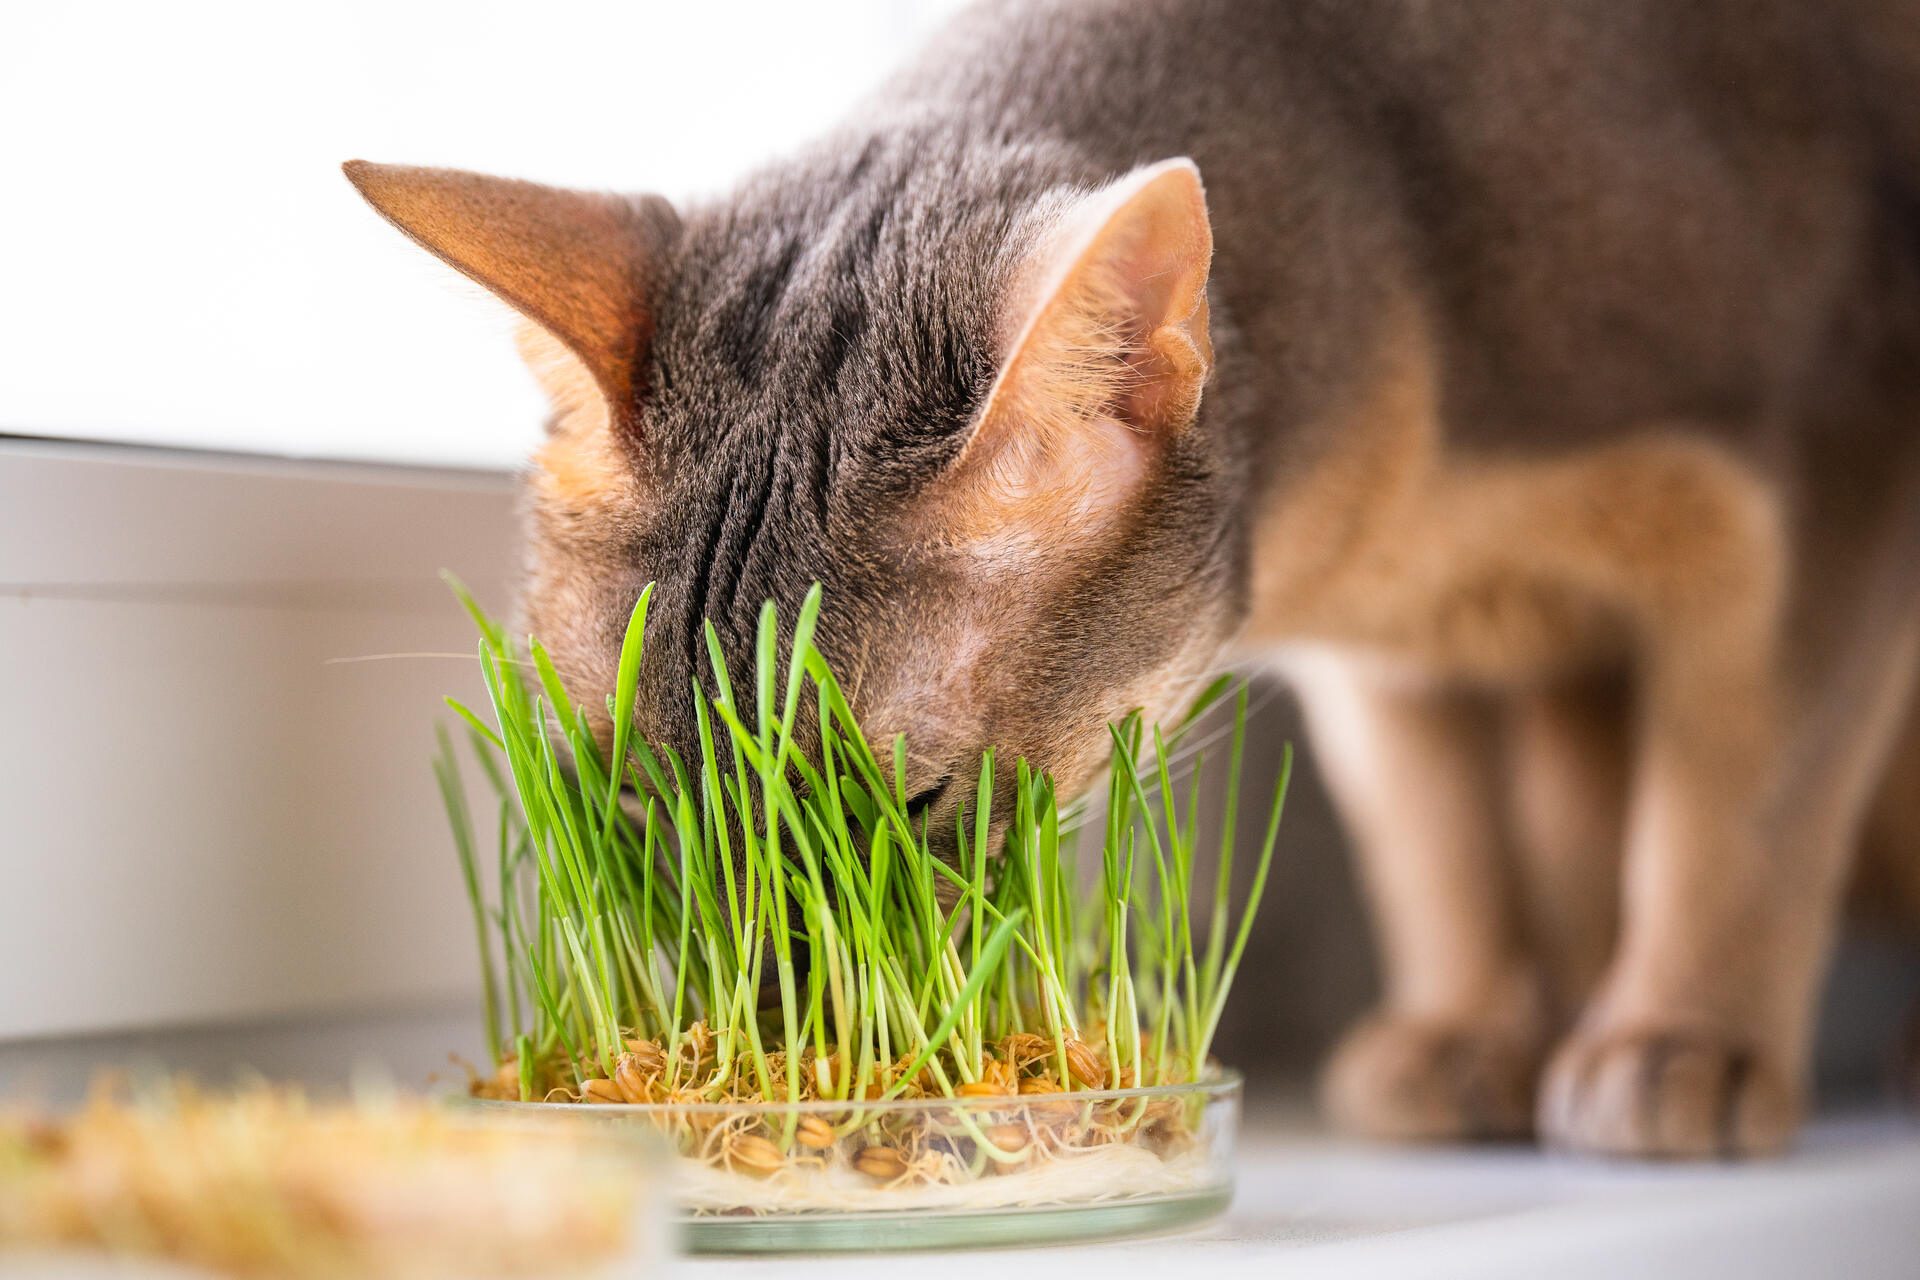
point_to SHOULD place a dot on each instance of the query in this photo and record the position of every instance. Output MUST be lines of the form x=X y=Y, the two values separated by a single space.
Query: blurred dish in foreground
x=266 y=1183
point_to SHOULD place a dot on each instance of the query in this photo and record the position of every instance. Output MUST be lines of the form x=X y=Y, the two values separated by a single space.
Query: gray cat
x=1537 y=383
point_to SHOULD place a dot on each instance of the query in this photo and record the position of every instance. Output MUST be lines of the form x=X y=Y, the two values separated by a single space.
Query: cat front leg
x=1454 y=1047
x=1748 y=797
x=1692 y=1046
x=1568 y=756
x=1685 y=1052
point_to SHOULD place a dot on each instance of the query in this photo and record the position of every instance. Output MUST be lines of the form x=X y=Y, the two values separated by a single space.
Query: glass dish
x=938 y=1173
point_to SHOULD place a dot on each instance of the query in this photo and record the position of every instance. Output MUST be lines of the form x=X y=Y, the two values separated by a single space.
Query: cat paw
x=1403 y=1080
x=1666 y=1093
x=1907 y=1079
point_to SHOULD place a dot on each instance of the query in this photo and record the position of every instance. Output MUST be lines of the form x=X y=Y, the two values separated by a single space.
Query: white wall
x=182 y=263
x=204 y=815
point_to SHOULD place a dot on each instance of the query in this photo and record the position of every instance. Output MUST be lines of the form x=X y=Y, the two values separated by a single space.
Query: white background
x=181 y=261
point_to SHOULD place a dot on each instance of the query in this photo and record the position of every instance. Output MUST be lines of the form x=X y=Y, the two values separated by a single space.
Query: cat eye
x=922 y=801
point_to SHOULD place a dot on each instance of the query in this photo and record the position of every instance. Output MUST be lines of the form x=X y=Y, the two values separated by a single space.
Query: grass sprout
x=761 y=923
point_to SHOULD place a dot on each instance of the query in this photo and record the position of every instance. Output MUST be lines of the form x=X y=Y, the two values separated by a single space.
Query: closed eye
x=922 y=801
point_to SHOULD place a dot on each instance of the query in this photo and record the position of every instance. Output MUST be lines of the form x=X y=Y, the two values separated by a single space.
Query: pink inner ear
x=1154 y=259
x=1117 y=325
x=1147 y=234
x=1109 y=362
x=1119 y=321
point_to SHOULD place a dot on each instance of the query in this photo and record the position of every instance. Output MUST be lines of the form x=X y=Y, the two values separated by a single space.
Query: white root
x=1074 y=1175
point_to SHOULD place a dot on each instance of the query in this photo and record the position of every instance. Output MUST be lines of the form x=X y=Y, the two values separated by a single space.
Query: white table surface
x=1846 y=1203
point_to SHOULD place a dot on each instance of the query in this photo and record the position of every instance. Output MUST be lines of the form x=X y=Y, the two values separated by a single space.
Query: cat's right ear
x=1105 y=351
x=579 y=265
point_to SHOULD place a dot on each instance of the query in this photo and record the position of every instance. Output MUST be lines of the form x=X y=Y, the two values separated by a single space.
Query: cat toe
x=1666 y=1094
x=1403 y=1080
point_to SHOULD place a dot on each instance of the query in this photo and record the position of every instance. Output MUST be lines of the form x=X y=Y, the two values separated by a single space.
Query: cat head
x=976 y=419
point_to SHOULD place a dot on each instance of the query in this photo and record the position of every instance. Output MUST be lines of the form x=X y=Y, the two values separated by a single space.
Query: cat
x=1535 y=385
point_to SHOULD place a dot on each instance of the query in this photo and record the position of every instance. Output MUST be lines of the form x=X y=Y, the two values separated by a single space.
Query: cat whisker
x=860 y=665
x=1189 y=747
x=1078 y=813
x=388 y=657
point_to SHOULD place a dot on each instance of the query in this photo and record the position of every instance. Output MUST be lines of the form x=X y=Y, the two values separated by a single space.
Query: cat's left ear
x=1106 y=348
x=578 y=264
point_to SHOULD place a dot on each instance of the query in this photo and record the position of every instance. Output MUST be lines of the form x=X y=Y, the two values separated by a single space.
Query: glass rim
x=1221 y=1083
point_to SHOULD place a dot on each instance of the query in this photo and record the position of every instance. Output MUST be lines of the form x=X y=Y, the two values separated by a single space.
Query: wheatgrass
x=725 y=942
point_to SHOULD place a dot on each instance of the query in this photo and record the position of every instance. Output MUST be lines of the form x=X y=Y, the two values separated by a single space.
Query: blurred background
x=184 y=265
x=244 y=425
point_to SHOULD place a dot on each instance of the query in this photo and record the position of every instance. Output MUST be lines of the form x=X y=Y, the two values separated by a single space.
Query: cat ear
x=1108 y=347
x=577 y=264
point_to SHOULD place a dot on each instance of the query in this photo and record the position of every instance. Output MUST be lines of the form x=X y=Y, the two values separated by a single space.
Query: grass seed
x=884 y=1163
